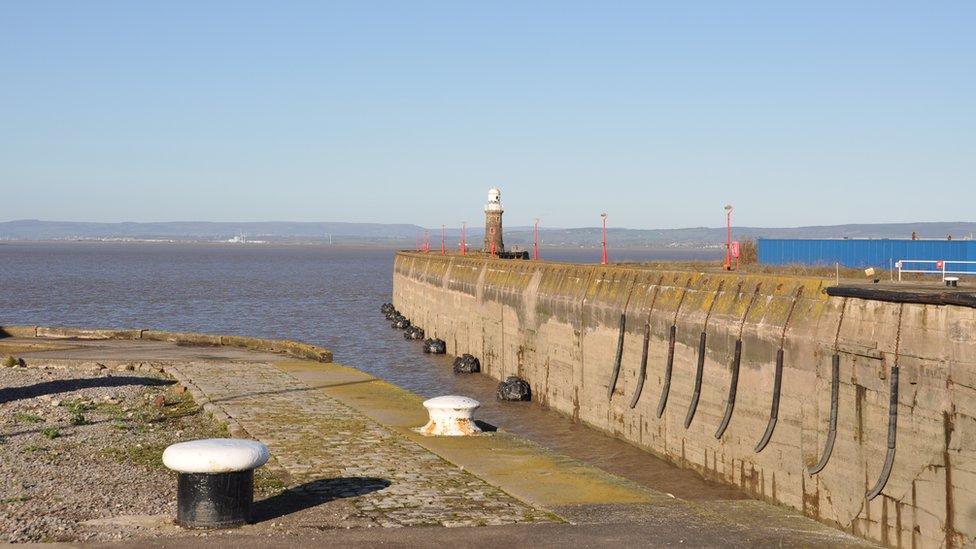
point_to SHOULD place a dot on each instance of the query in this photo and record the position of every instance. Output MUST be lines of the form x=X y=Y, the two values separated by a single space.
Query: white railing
x=939 y=267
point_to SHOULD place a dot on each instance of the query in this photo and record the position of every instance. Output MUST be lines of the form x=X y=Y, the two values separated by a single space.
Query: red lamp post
x=464 y=245
x=535 y=241
x=426 y=241
x=728 y=237
x=443 y=243
x=603 y=216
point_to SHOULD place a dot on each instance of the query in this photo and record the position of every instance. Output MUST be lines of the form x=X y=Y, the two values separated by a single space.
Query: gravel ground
x=84 y=444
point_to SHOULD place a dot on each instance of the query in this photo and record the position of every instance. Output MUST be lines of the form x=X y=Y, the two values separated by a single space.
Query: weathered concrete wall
x=556 y=325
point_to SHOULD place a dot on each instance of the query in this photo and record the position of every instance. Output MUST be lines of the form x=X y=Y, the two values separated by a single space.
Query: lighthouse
x=493 y=222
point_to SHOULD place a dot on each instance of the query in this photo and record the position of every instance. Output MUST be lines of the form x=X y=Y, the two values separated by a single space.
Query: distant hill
x=406 y=235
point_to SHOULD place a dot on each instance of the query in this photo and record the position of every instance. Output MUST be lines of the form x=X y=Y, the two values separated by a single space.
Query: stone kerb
x=282 y=346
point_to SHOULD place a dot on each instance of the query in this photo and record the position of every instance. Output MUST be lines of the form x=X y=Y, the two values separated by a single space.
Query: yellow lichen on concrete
x=560 y=330
x=519 y=467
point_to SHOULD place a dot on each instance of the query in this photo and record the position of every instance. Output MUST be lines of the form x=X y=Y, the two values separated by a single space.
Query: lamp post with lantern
x=464 y=245
x=603 y=260
x=535 y=241
x=728 y=237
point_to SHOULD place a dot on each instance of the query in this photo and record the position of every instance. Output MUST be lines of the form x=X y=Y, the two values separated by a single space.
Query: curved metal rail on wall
x=778 y=379
x=832 y=426
x=774 y=409
x=699 y=371
x=733 y=385
x=736 y=359
x=620 y=354
x=666 y=387
x=700 y=367
x=834 y=397
x=620 y=345
x=642 y=373
x=892 y=418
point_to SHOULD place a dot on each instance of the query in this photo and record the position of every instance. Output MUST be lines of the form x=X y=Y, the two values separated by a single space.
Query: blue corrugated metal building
x=882 y=253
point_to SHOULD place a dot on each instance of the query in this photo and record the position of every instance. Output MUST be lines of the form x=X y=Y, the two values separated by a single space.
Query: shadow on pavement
x=312 y=494
x=485 y=426
x=11 y=394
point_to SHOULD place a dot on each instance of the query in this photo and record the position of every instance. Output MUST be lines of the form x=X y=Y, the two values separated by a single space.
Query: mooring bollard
x=451 y=416
x=215 y=488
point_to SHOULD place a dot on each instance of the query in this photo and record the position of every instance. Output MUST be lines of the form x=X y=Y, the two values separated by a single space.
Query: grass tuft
x=78 y=405
x=144 y=455
x=23 y=417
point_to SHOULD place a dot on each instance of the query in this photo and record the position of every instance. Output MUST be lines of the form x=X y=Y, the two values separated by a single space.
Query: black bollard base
x=220 y=500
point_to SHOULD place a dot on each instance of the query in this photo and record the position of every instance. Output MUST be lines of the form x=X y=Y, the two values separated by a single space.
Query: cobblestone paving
x=331 y=451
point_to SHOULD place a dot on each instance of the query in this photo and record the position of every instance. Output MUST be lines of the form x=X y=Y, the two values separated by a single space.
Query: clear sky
x=658 y=113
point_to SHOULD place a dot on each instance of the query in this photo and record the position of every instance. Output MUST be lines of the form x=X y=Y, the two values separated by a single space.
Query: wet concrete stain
x=859 y=394
x=950 y=527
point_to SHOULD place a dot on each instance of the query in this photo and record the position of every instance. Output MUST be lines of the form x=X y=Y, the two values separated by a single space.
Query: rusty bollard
x=451 y=416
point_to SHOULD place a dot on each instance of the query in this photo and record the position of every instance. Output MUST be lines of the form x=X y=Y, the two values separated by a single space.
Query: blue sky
x=658 y=113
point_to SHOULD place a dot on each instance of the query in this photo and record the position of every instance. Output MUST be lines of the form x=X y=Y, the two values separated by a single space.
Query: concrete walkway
x=329 y=449
x=352 y=462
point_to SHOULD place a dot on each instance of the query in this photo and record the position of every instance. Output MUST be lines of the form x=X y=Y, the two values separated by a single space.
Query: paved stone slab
x=520 y=467
x=345 y=440
x=328 y=448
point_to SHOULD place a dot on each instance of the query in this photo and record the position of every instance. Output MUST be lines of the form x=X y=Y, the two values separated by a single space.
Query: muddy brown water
x=322 y=295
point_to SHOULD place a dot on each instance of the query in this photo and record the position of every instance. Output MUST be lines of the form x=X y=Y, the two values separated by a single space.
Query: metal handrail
x=938 y=263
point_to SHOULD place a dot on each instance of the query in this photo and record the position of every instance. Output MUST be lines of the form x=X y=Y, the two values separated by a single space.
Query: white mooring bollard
x=216 y=480
x=451 y=416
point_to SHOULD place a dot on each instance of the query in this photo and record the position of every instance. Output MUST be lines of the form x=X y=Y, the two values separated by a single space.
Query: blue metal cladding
x=881 y=253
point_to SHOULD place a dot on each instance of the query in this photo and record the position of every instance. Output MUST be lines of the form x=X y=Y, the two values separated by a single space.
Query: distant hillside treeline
x=406 y=235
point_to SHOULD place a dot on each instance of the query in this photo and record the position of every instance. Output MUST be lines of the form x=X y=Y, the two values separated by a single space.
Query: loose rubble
x=84 y=444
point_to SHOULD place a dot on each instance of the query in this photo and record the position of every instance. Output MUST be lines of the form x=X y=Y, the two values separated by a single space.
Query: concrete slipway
x=323 y=420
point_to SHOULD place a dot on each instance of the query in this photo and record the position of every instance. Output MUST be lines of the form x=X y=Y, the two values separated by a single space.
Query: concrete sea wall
x=557 y=326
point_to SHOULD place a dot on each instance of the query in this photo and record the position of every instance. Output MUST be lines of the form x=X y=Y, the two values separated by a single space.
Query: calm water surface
x=326 y=296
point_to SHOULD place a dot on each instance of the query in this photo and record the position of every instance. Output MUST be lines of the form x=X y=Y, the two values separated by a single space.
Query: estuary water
x=328 y=296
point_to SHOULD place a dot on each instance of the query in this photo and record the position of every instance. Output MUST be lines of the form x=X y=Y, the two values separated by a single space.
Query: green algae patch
x=383 y=402
x=535 y=474
x=516 y=465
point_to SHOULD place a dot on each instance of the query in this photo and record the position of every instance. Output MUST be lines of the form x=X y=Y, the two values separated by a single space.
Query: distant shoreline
x=403 y=236
x=201 y=243
x=343 y=246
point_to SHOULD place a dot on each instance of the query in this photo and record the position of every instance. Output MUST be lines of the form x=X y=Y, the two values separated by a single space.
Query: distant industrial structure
x=896 y=254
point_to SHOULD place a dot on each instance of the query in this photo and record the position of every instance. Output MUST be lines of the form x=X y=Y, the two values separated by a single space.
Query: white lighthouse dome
x=494 y=200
